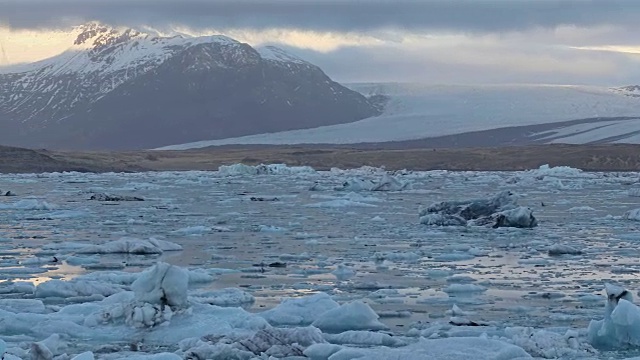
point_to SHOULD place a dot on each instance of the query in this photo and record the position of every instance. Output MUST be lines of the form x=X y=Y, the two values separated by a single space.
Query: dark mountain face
x=127 y=90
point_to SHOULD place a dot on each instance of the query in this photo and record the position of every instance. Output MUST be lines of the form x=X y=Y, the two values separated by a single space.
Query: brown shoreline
x=605 y=157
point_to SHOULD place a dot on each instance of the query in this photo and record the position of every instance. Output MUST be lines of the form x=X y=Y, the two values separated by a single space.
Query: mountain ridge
x=67 y=100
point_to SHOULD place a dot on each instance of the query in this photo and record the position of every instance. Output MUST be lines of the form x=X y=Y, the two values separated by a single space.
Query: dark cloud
x=344 y=15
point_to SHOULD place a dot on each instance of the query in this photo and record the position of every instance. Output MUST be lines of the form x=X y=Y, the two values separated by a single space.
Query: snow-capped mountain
x=121 y=88
x=420 y=111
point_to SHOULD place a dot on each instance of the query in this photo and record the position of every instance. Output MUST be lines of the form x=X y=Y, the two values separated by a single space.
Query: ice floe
x=499 y=210
x=271 y=169
x=28 y=204
x=131 y=246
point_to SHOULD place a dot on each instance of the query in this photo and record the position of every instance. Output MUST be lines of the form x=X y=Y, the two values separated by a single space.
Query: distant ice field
x=417 y=111
x=248 y=241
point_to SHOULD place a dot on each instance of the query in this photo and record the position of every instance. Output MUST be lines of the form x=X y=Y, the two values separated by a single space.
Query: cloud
x=435 y=41
x=465 y=59
x=303 y=39
x=475 y=16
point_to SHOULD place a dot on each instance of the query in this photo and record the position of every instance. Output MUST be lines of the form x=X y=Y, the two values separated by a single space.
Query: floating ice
x=364 y=338
x=351 y=316
x=88 y=355
x=355 y=184
x=300 y=311
x=621 y=324
x=386 y=183
x=163 y=284
x=557 y=171
x=581 y=209
x=390 y=183
x=18 y=287
x=338 y=203
x=270 y=342
x=464 y=288
x=456 y=348
x=47 y=348
x=224 y=297
x=343 y=272
x=442 y=220
x=271 y=169
x=321 y=351
x=75 y=288
x=396 y=256
x=98 y=311
x=632 y=215
x=193 y=230
x=159 y=356
x=108 y=197
x=550 y=345
x=158 y=293
x=22 y=305
x=561 y=249
x=131 y=246
x=500 y=210
x=270 y=228
x=28 y=204
x=61 y=214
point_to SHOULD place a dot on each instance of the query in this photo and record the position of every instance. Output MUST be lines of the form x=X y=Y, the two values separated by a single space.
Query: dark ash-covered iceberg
x=500 y=210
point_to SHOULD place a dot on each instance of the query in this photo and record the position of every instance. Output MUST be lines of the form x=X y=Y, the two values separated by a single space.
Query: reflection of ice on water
x=62 y=271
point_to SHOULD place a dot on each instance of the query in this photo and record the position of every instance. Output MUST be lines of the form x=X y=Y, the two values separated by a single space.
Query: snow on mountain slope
x=124 y=89
x=276 y=54
x=417 y=111
x=97 y=47
x=101 y=57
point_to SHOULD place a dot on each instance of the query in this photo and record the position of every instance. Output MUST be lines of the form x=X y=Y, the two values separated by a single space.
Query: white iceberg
x=355 y=315
x=621 y=324
x=300 y=311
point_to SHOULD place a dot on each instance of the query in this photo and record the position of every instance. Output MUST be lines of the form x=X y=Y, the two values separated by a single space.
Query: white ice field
x=274 y=262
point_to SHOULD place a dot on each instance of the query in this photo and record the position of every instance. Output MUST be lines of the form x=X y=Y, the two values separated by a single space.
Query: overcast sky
x=445 y=41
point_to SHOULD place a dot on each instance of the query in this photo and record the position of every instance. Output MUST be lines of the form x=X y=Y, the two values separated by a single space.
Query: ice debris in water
x=559 y=171
x=47 y=348
x=548 y=344
x=386 y=183
x=159 y=292
x=28 y=204
x=270 y=341
x=343 y=272
x=108 y=197
x=562 y=249
x=300 y=311
x=131 y=246
x=632 y=215
x=500 y=210
x=351 y=316
x=262 y=169
x=455 y=348
x=621 y=324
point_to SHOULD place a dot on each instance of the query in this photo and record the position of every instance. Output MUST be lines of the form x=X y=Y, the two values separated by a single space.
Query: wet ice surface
x=366 y=245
